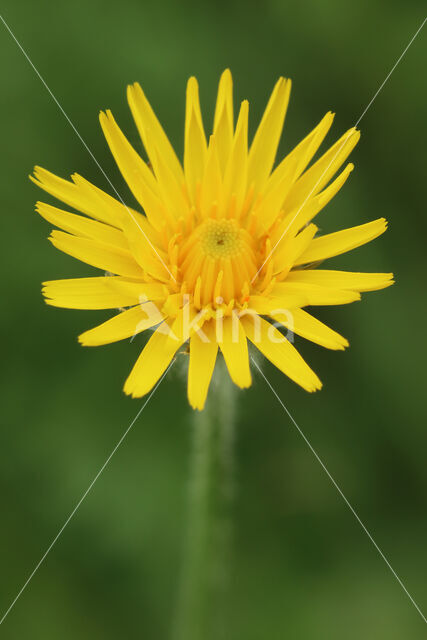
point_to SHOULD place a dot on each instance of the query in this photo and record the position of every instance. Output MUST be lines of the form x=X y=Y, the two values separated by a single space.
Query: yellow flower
x=224 y=242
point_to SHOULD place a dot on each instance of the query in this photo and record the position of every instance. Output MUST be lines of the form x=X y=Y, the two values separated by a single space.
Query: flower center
x=218 y=260
x=221 y=238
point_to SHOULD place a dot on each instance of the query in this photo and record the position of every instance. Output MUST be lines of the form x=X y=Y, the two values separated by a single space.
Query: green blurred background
x=303 y=567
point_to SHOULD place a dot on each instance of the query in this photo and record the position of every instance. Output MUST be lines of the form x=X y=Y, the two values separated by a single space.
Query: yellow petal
x=333 y=244
x=263 y=305
x=234 y=347
x=195 y=140
x=302 y=215
x=151 y=131
x=314 y=294
x=303 y=324
x=97 y=254
x=280 y=352
x=149 y=256
x=72 y=195
x=138 y=226
x=289 y=249
x=134 y=169
x=342 y=279
x=172 y=193
x=153 y=362
x=284 y=176
x=124 y=325
x=186 y=323
x=87 y=293
x=81 y=226
x=138 y=176
x=301 y=155
x=224 y=120
x=139 y=291
x=266 y=140
x=203 y=354
x=139 y=235
x=211 y=189
x=235 y=178
x=321 y=172
x=103 y=206
x=269 y=208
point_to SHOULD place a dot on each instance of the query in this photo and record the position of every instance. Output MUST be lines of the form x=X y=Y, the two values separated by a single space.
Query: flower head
x=224 y=250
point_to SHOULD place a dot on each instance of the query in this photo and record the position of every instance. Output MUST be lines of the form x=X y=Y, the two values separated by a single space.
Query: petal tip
x=82 y=339
x=316 y=386
x=197 y=406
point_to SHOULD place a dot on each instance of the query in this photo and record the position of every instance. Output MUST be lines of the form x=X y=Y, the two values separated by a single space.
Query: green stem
x=202 y=602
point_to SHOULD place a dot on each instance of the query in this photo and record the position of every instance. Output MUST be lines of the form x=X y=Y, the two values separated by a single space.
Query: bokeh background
x=303 y=567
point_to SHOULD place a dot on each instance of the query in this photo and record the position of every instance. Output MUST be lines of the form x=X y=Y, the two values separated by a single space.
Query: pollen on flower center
x=221 y=238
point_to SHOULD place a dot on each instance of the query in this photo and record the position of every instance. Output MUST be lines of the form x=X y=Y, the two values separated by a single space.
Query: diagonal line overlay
x=325 y=469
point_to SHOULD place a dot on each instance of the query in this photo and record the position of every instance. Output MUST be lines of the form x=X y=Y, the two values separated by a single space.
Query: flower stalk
x=205 y=580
